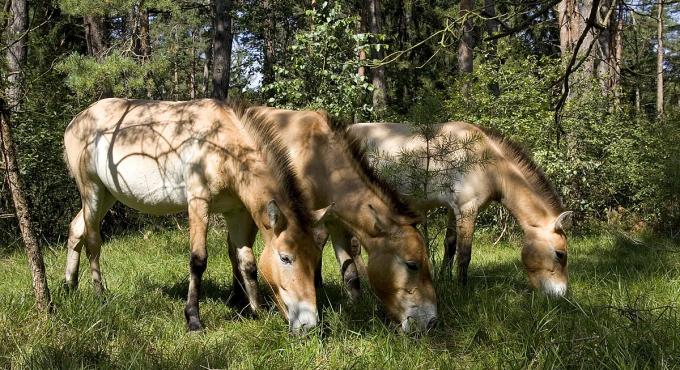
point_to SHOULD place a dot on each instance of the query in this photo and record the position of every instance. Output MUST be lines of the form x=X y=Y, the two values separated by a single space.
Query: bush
x=321 y=72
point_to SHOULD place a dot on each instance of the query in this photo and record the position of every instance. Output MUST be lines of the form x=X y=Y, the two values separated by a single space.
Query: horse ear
x=321 y=215
x=277 y=221
x=564 y=221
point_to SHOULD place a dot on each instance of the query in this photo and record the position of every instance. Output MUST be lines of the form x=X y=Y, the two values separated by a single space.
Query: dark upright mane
x=269 y=143
x=533 y=173
x=354 y=147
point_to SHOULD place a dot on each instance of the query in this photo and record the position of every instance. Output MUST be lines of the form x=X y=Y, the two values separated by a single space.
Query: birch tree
x=16 y=31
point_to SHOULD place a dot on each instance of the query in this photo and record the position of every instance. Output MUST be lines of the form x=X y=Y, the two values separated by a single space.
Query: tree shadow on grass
x=629 y=258
x=52 y=357
x=212 y=290
x=498 y=298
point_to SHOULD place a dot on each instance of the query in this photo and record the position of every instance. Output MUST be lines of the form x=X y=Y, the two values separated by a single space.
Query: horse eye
x=413 y=266
x=286 y=259
x=560 y=255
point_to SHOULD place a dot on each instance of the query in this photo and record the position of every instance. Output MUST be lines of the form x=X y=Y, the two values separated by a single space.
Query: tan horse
x=206 y=157
x=509 y=177
x=332 y=170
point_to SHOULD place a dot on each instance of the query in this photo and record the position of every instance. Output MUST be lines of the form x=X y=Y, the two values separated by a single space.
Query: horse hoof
x=195 y=327
x=99 y=289
x=70 y=286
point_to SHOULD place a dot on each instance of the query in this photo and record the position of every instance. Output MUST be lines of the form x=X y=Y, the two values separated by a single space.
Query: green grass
x=622 y=312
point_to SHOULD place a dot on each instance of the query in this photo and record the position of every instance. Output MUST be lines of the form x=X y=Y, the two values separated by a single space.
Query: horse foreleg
x=449 y=243
x=242 y=231
x=355 y=252
x=198 y=228
x=348 y=269
x=320 y=238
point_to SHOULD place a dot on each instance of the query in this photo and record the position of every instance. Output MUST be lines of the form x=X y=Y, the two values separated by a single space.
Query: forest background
x=591 y=88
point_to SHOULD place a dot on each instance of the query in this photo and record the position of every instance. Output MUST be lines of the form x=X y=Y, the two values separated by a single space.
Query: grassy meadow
x=621 y=312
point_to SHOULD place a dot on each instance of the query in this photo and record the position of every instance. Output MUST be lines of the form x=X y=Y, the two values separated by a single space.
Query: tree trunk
x=145 y=45
x=636 y=52
x=490 y=12
x=175 y=74
x=466 y=42
x=569 y=19
x=16 y=58
x=33 y=251
x=588 y=69
x=192 y=74
x=269 y=37
x=222 y=42
x=615 y=78
x=16 y=53
x=139 y=28
x=144 y=35
x=659 y=61
x=362 y=27
x=603 y=56
x=206 y=71
x=95 y=38
x=377 y=73
x=491 y=28
x=175 y=81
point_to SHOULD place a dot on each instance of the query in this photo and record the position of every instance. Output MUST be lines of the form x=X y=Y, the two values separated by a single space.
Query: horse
x=203 y=156
x=509 y=176
x=333 y=172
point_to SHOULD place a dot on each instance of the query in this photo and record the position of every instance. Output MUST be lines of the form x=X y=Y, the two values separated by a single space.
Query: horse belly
x=150 y=184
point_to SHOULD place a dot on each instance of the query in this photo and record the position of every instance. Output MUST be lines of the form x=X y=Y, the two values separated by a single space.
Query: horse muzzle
x=302 y=317
x=420 y=320
x=554 y=288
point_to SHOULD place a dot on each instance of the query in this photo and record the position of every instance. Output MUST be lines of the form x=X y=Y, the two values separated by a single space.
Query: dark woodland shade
x=529 y=168
x=354 y=146
x=268 y=141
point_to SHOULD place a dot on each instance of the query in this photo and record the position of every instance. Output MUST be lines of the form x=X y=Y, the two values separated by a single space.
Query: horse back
x=152 y=155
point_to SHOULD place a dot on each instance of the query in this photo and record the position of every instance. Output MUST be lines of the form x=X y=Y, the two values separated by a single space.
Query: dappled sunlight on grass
x=621 y=311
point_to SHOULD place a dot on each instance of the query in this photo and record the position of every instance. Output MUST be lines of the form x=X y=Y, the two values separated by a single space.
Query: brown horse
x=332 y=170
x=510 y=177
x=206 y=157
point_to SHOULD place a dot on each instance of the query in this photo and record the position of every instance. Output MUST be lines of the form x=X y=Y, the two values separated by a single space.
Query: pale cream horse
x=333 y=171
x=508 y=176
x=206 y=157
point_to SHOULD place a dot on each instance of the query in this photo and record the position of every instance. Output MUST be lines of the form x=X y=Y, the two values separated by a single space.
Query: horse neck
x=526 y=204
x=255 y=188
x=352 y=198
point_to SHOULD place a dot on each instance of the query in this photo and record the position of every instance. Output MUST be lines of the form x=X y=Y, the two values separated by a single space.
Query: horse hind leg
x=465 y=228
x=95 y=206
x=76 y=232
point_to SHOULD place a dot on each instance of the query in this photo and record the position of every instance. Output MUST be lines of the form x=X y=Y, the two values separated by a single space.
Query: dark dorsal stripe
x=270 y=144
x=355 y=148
x=533 y=173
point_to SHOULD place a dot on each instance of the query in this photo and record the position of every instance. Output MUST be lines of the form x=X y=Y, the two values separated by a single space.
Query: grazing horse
x=509 y=177
x=332 y=170
x=204 y=156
